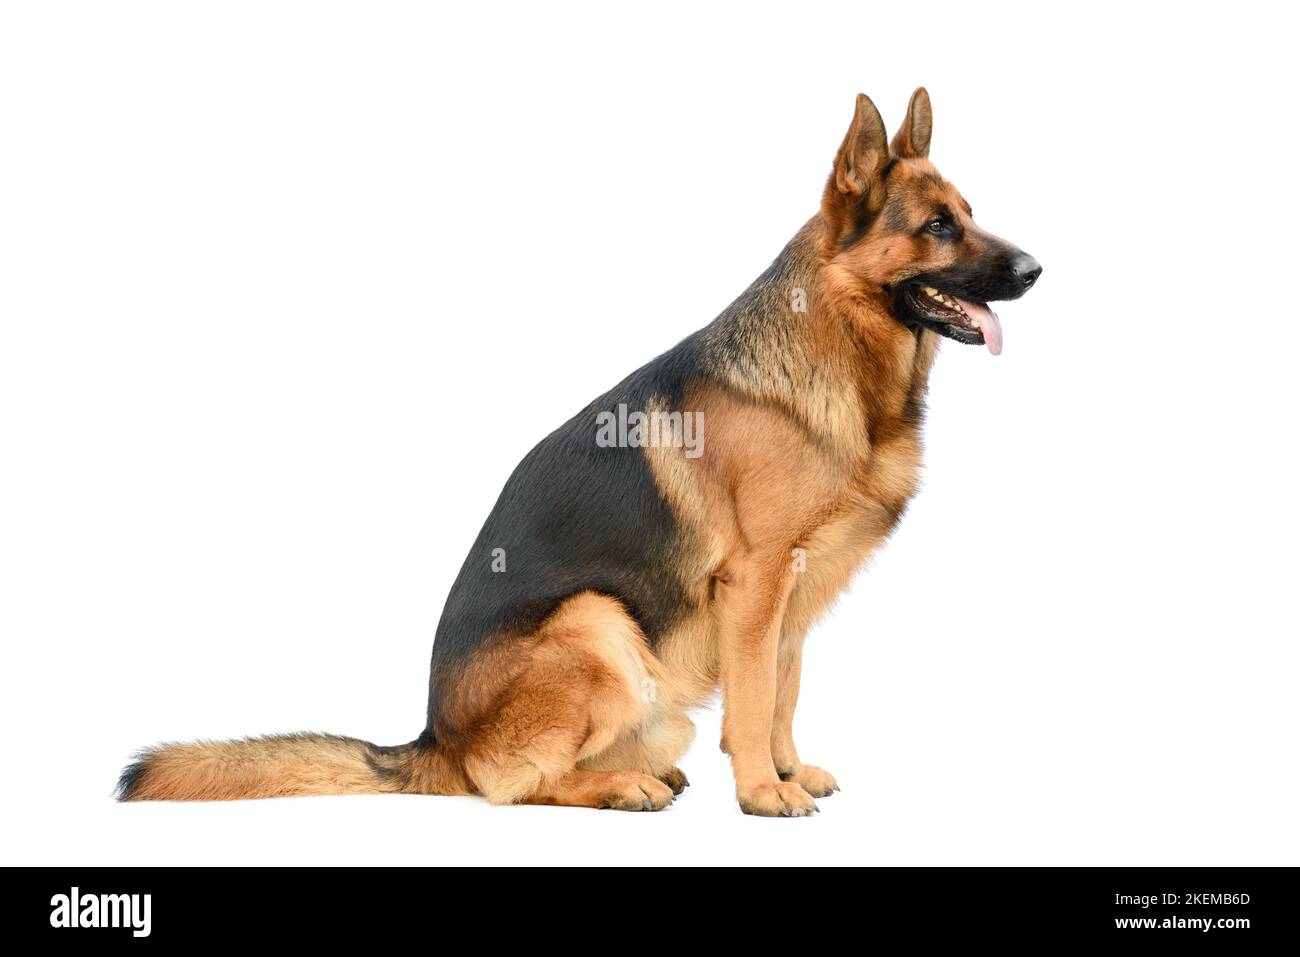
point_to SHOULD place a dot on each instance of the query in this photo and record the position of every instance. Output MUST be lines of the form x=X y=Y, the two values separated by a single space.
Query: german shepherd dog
x=684 y=531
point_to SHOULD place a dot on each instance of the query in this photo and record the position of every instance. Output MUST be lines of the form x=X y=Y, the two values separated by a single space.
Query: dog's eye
x=936 y=226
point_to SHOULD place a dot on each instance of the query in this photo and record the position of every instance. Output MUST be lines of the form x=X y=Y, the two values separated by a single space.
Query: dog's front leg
x=785 y=756
x=750 y=603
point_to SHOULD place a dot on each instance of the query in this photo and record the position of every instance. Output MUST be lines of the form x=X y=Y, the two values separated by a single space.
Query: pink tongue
x=989 y=325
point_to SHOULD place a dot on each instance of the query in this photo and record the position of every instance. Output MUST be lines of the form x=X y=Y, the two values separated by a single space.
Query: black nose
x=1026 y=269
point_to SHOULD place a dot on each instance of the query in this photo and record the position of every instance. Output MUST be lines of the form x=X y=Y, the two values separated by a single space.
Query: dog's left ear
x=913 y=137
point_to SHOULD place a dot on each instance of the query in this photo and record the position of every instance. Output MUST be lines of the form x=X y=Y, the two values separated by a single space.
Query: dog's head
x=899 y=233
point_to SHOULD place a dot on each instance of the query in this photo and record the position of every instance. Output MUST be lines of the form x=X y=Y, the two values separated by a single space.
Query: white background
x=287 y=290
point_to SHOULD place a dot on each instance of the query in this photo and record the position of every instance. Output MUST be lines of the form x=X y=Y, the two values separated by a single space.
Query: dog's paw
x=812 y=779
x=780 y=799
x=675 y=779
x=636 y=792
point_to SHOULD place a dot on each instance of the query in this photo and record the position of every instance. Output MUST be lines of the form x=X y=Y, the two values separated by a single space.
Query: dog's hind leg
x=620 y=790
x=547 y=702
x=654 y=748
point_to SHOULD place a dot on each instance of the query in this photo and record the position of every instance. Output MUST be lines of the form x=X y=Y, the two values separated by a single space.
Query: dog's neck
x=807 y=337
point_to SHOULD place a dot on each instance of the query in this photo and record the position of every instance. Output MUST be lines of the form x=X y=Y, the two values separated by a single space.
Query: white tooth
x=974 y=323
x=930 y=290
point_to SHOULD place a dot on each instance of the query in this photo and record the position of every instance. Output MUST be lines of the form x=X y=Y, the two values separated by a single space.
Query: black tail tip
x=130 y=778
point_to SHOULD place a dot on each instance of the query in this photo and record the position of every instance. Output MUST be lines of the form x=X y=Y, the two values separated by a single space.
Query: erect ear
x=913 y=137
x=853 y=190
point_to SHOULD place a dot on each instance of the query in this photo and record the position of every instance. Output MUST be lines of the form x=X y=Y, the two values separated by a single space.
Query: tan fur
x=582 y=688
x=287 y=766
x=621 y=790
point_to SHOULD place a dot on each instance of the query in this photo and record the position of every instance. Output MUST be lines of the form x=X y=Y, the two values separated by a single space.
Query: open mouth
x=965 y=320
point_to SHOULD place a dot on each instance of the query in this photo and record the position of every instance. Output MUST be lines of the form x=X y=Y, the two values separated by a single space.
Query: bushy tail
x=286 y=765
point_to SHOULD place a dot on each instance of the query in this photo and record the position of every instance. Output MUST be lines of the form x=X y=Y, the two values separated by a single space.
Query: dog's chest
x=826 y=559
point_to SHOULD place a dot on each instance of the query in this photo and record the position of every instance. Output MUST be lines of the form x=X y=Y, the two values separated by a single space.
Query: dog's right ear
x=853 y=193
x=913 y=137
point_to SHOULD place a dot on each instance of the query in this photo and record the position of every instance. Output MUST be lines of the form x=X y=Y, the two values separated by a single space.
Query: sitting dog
x=685 y=530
